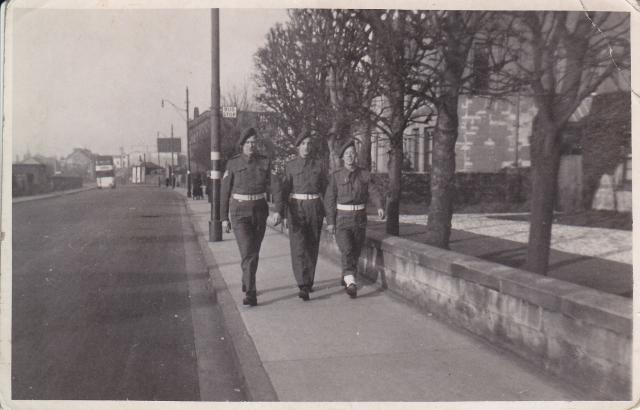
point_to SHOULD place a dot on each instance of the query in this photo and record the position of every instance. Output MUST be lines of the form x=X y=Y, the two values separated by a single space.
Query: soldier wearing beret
x=305 y=181
x=345 y=204
x=244 y=188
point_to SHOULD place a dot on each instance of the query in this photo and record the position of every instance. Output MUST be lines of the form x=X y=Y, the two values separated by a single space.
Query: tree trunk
x=443 y=173
x=364 y=156
x=395 y=184
x=396 y=101
x=545 y=163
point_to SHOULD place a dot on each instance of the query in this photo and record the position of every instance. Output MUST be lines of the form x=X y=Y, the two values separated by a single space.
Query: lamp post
x=179 y=110
x=215 y=223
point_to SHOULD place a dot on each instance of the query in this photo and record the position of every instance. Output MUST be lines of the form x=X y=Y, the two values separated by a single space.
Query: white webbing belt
x=343 y=207
x=304 y=197
x=254 y=197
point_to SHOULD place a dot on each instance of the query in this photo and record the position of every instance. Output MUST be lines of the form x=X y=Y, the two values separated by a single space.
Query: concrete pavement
x=373 y=348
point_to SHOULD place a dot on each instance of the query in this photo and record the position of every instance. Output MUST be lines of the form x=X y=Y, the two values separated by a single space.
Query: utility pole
x=172 y=174
x=215 y=225
x=188 y=151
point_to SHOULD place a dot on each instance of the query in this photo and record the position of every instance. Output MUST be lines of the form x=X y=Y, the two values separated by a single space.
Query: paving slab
x=374 y=348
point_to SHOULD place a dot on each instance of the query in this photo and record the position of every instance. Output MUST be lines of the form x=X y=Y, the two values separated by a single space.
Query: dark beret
x=304 y=134
x=348 y=143
x=249 y=132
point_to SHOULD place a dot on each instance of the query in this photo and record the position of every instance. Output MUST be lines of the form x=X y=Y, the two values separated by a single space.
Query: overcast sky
x=95 y=78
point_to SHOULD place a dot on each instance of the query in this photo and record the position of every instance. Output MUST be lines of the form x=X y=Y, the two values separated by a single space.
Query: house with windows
x=494 y=133
x=80 y=163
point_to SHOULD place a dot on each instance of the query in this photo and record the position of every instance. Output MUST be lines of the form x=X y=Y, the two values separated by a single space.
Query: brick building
x=230 y=129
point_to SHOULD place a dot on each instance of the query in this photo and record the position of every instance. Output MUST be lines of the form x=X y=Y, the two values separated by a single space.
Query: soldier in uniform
x=304 y=183
x=345 y=204
x=244 y=190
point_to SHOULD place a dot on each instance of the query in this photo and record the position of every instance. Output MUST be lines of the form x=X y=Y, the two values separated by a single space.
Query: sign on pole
x=169 y=145
x=229 y=112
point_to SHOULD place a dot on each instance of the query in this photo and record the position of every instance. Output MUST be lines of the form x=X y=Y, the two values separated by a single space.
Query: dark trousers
x=249 y=221
x=305 y=226
x=351 y=227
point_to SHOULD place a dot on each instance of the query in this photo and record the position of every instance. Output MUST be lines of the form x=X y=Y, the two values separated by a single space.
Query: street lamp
x=179 y=111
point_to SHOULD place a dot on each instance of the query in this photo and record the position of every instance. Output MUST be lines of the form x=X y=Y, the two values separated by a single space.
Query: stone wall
x=61 y=183
x=579 y=334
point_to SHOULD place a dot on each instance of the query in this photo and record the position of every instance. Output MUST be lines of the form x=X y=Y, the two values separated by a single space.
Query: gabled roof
x=30 y=161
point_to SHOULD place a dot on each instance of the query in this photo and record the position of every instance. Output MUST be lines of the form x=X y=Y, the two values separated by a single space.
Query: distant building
x=231 y=128
x=30 y=177
x=121 y=161
x=80 y=163
x=53 y=164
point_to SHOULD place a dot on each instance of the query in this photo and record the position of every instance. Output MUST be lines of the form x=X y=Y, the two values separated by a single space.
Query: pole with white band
x=215 y=224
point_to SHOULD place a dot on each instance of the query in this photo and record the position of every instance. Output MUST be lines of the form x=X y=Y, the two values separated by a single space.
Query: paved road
x=110 y=302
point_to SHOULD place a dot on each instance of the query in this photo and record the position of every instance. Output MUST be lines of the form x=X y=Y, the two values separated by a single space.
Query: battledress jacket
x=246 y=176
x=301 y=176
x=350 y=188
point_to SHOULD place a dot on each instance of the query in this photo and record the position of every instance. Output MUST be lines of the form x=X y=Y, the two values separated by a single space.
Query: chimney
x=196 y=112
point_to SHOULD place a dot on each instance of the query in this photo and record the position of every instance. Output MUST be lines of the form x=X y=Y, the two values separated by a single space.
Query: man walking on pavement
x=304 y=183
x=243 y=197
x=345 y=205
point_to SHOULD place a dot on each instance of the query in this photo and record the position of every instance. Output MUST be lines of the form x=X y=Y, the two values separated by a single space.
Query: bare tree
x=401 y=42
x=315 y=72
x=240 y=98
x=470 y=51
x=566 y=57
x=291 y=75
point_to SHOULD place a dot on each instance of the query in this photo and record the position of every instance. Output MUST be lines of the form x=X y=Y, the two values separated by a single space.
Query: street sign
x=169 y=145
x=229 y=112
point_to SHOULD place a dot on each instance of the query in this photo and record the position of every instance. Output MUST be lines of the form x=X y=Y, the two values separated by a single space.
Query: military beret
x=304 y=134
x=348 y=143
x=249 y=132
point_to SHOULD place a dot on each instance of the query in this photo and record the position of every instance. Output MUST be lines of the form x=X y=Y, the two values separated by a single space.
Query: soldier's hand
x=226 y=226
x=276 y=218
x=331 y=229
x=381 y=214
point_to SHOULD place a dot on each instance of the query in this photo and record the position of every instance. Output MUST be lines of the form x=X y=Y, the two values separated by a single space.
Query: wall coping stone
x=598 y=308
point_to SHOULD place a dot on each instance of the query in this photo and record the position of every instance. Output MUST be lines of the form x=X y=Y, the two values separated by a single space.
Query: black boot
x=304 y=293
x=352 y=290
x=250 y=299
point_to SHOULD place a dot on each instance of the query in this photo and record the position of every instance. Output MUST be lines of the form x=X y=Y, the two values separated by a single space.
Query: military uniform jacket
x=302 y=176
x=245 y=176
x=350 y=188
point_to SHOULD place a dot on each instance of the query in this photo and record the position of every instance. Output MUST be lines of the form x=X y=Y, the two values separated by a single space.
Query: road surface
x=110 y=301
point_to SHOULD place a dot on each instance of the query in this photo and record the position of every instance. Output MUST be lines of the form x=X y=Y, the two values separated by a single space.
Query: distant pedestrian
x=244 y=189
x=209 y=188
x=167 y=182
x=195 y=187
x=303 y=187
x=346 y=208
